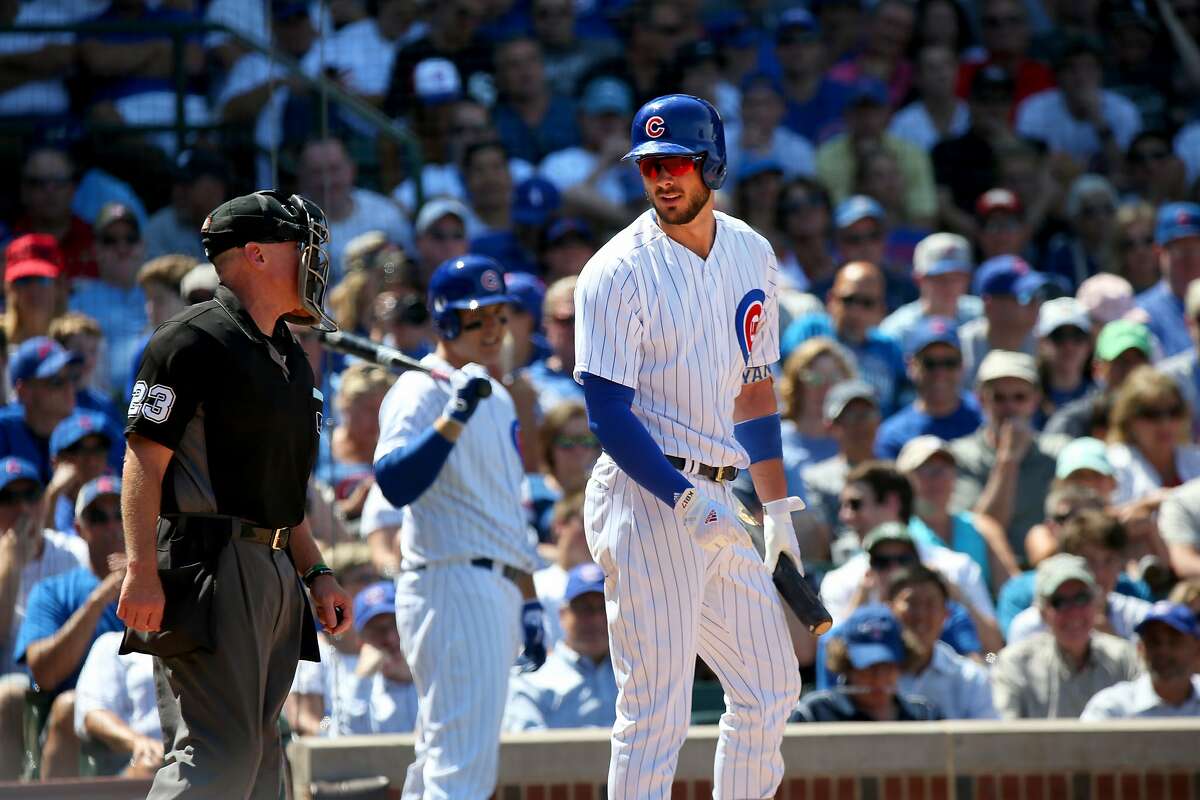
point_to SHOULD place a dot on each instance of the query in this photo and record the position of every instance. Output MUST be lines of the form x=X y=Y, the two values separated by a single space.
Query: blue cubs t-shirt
x=909 y=422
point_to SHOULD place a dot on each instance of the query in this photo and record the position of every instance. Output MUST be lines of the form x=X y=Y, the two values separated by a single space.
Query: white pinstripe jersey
x=473 y=508
x=652 y=315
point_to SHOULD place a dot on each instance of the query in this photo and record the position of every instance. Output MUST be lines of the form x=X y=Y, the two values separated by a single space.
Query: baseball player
x=450 y=458
x=676 y=328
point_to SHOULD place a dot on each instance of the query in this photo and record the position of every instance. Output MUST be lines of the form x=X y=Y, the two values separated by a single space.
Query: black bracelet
x=314 y=572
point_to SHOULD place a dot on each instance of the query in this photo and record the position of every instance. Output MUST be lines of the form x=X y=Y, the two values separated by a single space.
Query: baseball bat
x=384 y=356
x=796 y=591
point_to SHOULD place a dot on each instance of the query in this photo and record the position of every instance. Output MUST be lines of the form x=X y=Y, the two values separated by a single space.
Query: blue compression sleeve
x=627 y=441
x=762 y=437
x=403 y=474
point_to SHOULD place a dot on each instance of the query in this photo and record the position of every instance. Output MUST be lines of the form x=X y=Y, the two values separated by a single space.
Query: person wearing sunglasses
x=47 y=192
x=1177 y=242
x=1053 y=674
x=1121 y=347
x=551 y=376
x=942 y=266
x=1103 y=542
x=1149 y=437
x=114 y=298
x=1088 y=247
x=222 y=433
x=876 y=503
x=940 y=408
x=68 y=612
x=79 y=449
x=1064 y=349
x=569 y=449
x=1012 y=293
x=42 y=372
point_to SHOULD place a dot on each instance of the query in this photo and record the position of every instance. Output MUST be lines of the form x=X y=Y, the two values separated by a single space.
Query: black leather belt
x=717 y=474
x=275 y=538
x=512 y=573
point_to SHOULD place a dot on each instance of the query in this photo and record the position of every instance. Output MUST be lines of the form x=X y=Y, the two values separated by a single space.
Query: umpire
x=222 y=432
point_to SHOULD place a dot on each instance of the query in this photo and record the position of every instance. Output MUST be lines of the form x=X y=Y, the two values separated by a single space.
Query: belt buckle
x=280 y=539
x=720 y=473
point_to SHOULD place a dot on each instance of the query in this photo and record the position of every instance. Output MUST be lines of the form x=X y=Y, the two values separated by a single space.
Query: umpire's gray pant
x=220 y=710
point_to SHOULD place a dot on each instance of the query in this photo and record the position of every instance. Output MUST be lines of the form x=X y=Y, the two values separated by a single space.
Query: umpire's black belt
x=512 y=573
x=275 y=538
x=694 y=467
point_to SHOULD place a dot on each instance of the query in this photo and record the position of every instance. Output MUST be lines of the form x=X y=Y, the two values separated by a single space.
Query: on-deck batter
x=676 y=328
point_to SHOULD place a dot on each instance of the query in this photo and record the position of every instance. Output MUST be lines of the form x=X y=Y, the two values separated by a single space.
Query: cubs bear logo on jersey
x=747 y=319
x=656 y=126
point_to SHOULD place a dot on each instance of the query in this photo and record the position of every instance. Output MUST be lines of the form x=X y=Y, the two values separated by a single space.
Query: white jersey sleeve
x=407 y=411
x=765 y=344
x=608 y=322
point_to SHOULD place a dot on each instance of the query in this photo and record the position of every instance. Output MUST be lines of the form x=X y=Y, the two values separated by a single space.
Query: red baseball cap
x=997 y=200
x=32 y=255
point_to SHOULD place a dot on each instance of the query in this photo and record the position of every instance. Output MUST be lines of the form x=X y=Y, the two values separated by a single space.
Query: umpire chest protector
x=238 y=408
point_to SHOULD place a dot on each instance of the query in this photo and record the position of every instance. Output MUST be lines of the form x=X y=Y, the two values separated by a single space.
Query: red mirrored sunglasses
x=675 y=166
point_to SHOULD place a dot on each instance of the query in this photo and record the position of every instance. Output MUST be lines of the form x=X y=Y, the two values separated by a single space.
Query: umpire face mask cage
x=313 y=264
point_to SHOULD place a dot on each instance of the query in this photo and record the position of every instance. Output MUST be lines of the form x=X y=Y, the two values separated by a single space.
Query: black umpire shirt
x=238 y=408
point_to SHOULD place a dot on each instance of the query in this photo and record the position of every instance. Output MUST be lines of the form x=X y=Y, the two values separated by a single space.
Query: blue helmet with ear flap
x=465 y=282
x=681 y=125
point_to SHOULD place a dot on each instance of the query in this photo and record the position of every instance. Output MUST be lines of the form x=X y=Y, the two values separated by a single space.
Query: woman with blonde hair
x=1148 y=435
x=568 y=451
x=1137 y=262
x=808 y=374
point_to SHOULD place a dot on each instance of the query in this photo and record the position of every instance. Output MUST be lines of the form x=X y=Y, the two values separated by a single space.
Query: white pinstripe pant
x=460 y=628
x=667 y=600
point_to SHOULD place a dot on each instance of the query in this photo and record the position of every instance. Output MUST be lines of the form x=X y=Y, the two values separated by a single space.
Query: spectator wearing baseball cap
x=525 y=317
x=32 y=266
x=1064 y=343
x=202 y=181
x=1169 y=645
x=41 y=372
x=942 y=267
x=931 y=467
x=67 y=612
x=1177 y=240
x=379 y=697
x=1121 y=347
x=441 y=228
x=862 y=233
x=1006 y=467
x=115 y=298
x=940 y=407
x=79 y=449
x=1053 y=674
x=815 y=102
x=869 y=655
x=1012 y=293
x=866 y=127
x=850 y=414
x=1002 y=227
x=567 y=244
x=595 y=183
x=576 y=687
x=1103 y=542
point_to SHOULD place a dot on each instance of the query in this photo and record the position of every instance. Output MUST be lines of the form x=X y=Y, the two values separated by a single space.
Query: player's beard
x=687 y=213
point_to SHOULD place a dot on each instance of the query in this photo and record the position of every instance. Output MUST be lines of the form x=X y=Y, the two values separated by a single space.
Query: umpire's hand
x=334 y=606
x=141 y=603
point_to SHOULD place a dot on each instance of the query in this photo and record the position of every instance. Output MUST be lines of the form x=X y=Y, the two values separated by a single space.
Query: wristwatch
x=314 y=572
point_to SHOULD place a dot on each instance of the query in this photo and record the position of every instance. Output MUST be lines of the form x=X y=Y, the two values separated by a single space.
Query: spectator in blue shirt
x=551 y=376
x=1064 y=334
x=1177 y=239
x=576 y=686
x=814 y=102
x=862 y=232
x=855 y=306
x=940 y=408
x=942 y=268
x=532 y=121
x=45 y=390
x=379 y=697
x=68 y=612
x=79 y=448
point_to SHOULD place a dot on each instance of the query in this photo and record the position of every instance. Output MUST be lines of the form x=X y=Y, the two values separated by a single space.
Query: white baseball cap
x=1061 y=312
x=436 y=80
x=1007 y=364
x=942 y=253
x=919 y=450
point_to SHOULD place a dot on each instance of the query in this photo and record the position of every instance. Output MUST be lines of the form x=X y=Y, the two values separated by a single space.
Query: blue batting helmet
x=470 y=281
x=681 y=125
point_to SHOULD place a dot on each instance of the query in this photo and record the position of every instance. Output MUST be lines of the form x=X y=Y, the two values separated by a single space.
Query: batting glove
x=533 y=620
x=710 y=521
x=465 y=388
x=779 y=535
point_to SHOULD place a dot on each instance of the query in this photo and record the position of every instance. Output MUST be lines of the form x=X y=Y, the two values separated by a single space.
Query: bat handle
x=484 y=390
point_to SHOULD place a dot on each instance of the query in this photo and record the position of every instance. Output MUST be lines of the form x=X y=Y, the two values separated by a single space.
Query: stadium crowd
x=986 y=225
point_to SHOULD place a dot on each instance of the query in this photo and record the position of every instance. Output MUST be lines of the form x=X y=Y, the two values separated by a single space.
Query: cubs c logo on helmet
x=656 y=126
x=747 y=319
x=490 y=280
